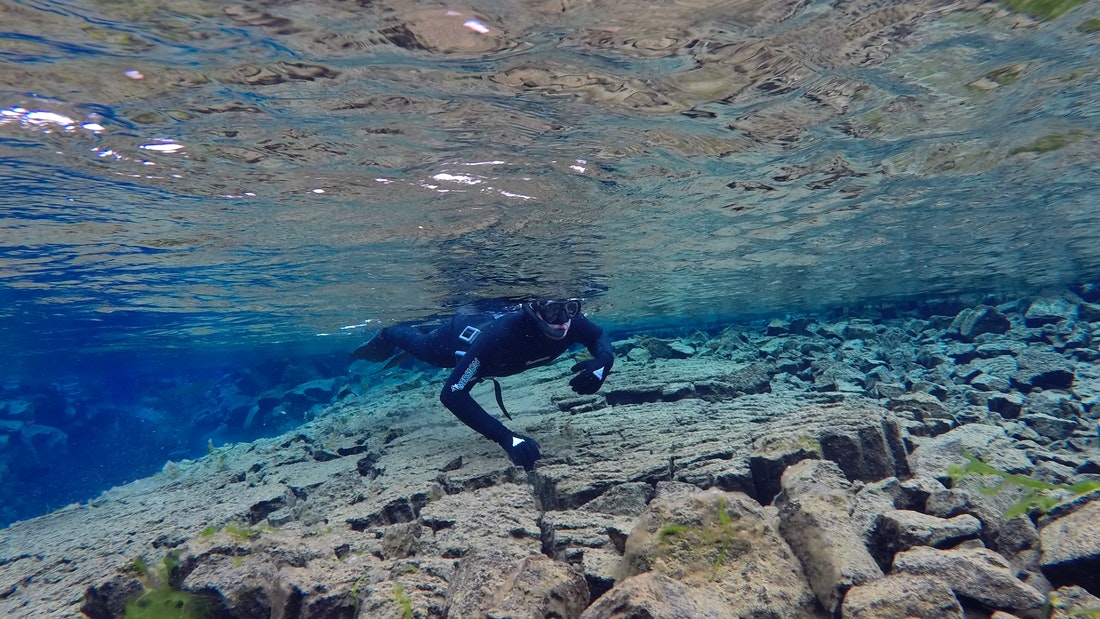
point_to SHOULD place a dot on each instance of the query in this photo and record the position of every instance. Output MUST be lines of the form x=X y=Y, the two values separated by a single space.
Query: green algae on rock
x=1046 y=144
x=1007 y=75
x=167 y=603
x=1042 y=9
x=1036 y=492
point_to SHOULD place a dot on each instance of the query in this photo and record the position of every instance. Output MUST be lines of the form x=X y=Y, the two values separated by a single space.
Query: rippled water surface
x=200 y=173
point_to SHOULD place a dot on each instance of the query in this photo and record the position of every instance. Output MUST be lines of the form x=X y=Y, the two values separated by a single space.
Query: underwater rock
x=814 y=509
x=248 y=588
x=1053 y=428
x=654 y=596
x=665 y=349
x=988 y=443
x=771 y=456
x=751 y=378
x=866 y=451
x=830 y=375
x=1071 y=546
x=1056 y=403
x=972 y=322
x=591 y=542
x=899 y=530
x=860 y=329
x=1072 y=602
x=497 y=516
x=400 y=541
x=952 y=502
x=990 y=383
x=870 y=501
x=1040 y=369
x=566 y=535
x=1047 y=311
x=977 y=574
x=778 y=326
x=722 y=546
x=106 y=600
x=924 y=404
x=634 y=394
x=498 y=582
x=1008 y=405
x=627 y=499
x=902 y=597
x=1018 y=541
x=1089 y=312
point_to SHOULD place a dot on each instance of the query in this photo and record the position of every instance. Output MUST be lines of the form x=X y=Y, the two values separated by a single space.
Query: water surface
x=190 y=182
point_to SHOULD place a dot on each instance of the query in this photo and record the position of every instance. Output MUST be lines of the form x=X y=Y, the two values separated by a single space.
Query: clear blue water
x=196 y=190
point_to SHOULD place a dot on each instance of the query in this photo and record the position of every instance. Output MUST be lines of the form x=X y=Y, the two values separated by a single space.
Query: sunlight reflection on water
x=324 y=164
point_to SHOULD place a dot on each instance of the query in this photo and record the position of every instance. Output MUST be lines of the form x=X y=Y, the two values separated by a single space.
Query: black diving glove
x=522 y=451
x=591 y=377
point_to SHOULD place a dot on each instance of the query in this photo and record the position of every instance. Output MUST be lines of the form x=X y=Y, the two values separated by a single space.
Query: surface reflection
x=316 y=165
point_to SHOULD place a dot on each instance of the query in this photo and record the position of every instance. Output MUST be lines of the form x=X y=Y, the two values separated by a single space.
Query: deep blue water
x=201 y=203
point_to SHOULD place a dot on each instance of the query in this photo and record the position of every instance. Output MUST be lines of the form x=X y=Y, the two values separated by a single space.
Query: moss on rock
x=1042 y=9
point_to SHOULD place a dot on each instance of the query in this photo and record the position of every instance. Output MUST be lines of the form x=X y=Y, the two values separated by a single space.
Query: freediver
x=488 y=346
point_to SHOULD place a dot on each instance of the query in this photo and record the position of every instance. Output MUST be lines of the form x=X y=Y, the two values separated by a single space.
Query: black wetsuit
x=503 y=345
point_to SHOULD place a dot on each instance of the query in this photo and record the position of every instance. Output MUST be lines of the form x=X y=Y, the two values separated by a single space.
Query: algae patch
x=167 y=603
x=404 y=602
x=1038 y=495
x=1042 y=9
x=715 y=540
x=161 y=600
x=1007 y=75
x=1047 y=143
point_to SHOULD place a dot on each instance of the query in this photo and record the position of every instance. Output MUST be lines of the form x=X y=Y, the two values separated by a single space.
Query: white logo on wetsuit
x=466 y=376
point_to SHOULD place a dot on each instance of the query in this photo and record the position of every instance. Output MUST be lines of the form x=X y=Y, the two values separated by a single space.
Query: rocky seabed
x=803 y=468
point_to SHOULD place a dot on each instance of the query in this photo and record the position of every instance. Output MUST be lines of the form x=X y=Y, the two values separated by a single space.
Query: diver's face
x=556 y=316
x=557 y=332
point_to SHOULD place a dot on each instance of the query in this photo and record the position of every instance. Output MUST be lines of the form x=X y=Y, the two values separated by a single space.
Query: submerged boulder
x=492 y=582
x=976 y=574
x=725 y=549
x=898 y=530
x=991 y=444
x=654 y=596
x=814 y=517
x=902 y=597
x=1042 y=369
x=1049 y=311
x=1071 y=546
x=972 y=322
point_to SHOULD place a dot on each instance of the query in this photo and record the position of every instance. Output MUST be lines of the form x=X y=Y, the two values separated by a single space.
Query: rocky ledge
x=933 y=465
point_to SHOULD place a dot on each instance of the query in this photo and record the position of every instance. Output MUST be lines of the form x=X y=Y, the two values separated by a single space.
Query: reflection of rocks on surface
x=732 y=115
x=810 y=455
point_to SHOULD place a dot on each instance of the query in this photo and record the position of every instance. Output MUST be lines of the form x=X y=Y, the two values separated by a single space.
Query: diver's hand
x=522 y=451
x=591 y=377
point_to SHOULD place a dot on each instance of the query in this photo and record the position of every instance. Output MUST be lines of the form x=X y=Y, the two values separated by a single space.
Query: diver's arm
x=593 y=372
x=522 y=450
x=601 y=348
x=456 y=397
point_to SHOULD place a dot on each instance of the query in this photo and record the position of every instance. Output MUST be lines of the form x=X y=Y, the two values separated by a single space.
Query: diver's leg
x=434 y=347
x=380 y=348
